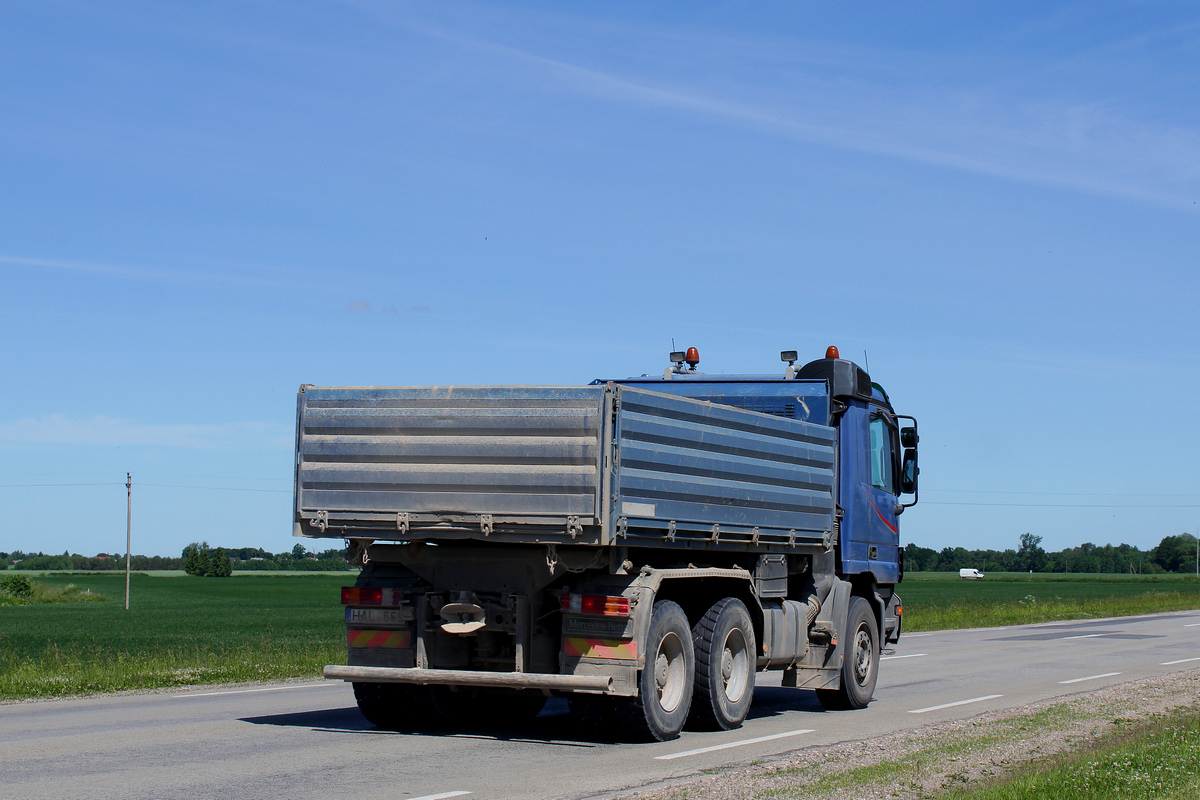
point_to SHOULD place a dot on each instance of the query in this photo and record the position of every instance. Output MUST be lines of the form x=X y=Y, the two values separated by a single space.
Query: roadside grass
x=910 y=769
x=1156 y=759
x=179 y=630
x=18 y=590
x=942 y=601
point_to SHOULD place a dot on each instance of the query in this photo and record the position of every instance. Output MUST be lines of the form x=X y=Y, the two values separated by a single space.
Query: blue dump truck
x=641 y=547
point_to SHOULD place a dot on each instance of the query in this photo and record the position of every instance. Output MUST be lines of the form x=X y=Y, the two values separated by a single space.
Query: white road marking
x=1192 y=625
x=727 y=745
x=1086 y=636
x=958 y=703
x=268 y=689
x=1180 y=661
x=909 y=655
x=916 y=635
x=1091 y=677
x=441 y=796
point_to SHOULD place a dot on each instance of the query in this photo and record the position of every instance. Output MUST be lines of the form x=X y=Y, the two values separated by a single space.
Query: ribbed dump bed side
x=696 y=471
x=384 y=457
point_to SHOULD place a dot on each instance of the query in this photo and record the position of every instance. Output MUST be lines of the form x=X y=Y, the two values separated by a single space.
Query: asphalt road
x=308 y=740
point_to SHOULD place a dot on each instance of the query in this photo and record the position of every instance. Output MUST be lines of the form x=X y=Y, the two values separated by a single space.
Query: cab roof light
x=597 y=604
x=832 y=351
x=692 y=357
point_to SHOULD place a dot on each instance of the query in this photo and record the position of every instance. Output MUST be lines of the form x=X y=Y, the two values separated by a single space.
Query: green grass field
x=942 y=600
x=179 y=630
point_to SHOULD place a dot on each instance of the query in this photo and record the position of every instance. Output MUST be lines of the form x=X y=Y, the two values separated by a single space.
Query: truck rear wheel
x=394 y=706
x=860 y=664
x=725 y=664
x=666 y=681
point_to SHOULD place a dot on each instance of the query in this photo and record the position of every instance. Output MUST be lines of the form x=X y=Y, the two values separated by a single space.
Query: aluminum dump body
x=592 y=465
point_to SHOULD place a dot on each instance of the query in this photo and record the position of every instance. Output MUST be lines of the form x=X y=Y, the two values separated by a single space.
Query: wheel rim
x=735 y=656
x=864 y=654
x=670 y=672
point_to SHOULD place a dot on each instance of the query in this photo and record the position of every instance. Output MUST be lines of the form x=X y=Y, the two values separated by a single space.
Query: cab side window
x=883 y=466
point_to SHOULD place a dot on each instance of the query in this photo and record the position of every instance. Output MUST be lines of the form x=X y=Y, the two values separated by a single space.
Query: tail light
x=598 y=604
x=362 y=596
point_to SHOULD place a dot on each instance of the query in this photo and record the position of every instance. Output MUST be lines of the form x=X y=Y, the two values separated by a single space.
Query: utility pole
x=128 y=530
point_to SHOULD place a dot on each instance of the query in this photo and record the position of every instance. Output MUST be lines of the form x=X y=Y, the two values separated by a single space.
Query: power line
x=1061 y=494
x=29 y=485
x=160 y=485
x=1058 y=505
x=217 y=488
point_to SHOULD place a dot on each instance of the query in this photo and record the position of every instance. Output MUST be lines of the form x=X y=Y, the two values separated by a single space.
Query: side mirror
x=909 y=472
x=908 y=437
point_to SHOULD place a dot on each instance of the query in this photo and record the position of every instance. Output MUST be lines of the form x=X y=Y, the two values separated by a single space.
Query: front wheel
x=860 y=664
x=725 y=665
x=665 y=682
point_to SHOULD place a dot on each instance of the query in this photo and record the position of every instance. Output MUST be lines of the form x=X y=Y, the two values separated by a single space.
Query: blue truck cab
x=876 y=458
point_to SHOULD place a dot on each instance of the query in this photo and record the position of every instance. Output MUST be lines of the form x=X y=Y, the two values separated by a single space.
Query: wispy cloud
x=364 y=307
x=237 y=275
x=57 y=429
x=970 y=116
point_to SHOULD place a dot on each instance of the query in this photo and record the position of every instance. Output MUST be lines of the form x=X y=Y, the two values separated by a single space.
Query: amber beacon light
x=831 y=351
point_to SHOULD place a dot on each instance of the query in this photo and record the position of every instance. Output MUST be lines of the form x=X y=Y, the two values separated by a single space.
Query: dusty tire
x=394 y=706
x=725 y=665
x=860 y=666
x=665 y=683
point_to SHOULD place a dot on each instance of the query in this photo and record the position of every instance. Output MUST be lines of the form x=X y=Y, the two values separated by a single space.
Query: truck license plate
x=378 y=616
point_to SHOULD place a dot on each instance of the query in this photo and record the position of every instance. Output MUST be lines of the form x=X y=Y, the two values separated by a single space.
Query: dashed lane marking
x=268 y=689
x=727 y=745
x=441 y=796
x=957 y=703
x=907 y=655
x=1180 y=661
x=1086 y=636
x=1091 y=677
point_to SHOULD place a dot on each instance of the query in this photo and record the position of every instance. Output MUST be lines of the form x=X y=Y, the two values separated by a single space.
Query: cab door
x=883 y=490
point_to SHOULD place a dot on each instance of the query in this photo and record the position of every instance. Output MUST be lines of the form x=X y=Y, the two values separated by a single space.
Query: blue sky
x=203 y=206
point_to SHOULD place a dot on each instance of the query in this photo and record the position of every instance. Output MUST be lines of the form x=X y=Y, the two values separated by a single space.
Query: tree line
x=240 y=558
x=1174 y=554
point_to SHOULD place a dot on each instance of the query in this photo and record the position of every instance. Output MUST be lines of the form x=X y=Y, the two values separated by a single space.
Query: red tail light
x=362 y=596
x=602 y=605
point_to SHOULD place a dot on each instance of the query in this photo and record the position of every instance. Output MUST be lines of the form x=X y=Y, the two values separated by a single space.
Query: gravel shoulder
x=929 y=761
